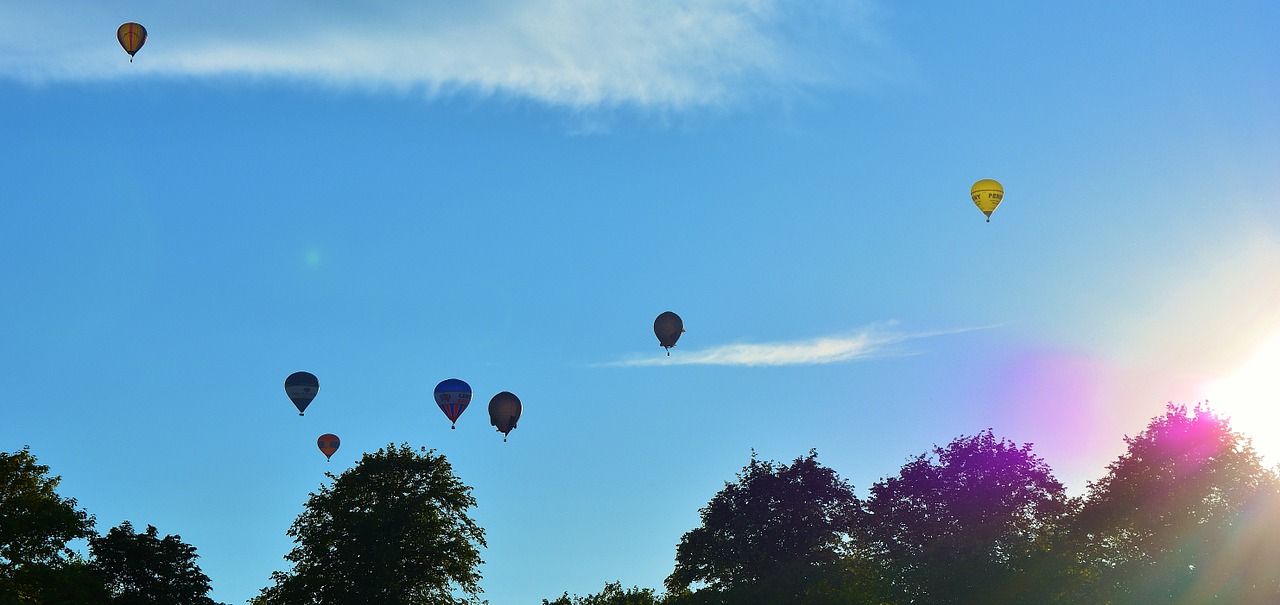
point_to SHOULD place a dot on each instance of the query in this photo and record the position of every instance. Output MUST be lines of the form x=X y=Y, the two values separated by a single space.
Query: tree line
x=1187 y=515
x=123 y=567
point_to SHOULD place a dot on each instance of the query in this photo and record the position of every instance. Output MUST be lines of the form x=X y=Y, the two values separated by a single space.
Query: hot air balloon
x=301 y=387
x=987 y=194
x=504 y=412
x=328 y=444
x=668 y=327
x=453 y=396
x=131 y=36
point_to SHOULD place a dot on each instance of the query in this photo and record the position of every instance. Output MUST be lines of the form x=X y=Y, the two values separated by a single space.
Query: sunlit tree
x=36 y=525
x=1188 y=514
x=392 y=530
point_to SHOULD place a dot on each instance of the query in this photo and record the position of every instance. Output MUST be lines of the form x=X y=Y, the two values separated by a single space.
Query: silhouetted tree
x=768 y=536
x=613 y=594
x=1187 y=514
x=392 y=530
x=36 y=566
x=962 y=524
x=858 y=579
x=144 y=569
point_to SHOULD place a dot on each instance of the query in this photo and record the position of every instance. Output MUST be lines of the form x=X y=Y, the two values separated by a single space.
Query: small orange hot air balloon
x=328 y=444
x=131 y=36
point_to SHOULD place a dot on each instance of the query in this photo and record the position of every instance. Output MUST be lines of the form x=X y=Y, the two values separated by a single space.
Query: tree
x=35 y=526
x=35 y=522
x=768 y=535
x=962 y=523
x=613 y=594
x=1186 y=515
x=145 y=569
x=391 y=530
x=71 y=582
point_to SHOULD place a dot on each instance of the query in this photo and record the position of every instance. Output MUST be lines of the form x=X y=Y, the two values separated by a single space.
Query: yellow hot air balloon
x=131 y=36
x=987 y=194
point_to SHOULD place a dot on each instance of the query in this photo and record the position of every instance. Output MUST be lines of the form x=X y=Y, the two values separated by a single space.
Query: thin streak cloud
x=571 y=53
x=866 y=343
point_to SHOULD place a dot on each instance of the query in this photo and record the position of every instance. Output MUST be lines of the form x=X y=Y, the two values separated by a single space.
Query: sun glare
x=1251 y=398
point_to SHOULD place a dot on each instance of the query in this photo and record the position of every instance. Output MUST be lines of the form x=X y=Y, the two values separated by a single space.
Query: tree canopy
x=394 y=530
x=1188 y=514
x=777 y=526
x=612 y=594
x=36 y=525
x=35 y=522
x=957 y=524
x=144 y=569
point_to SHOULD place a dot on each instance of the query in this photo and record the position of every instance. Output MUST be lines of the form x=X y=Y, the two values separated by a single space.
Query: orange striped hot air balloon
x=328 y=444
x=131 y=36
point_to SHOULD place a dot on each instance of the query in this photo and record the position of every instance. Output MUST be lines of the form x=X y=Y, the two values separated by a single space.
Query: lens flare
x=1251 y=398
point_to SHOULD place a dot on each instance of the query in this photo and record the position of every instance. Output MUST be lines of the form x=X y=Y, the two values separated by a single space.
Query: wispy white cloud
x=873 y=341
x=576 y=53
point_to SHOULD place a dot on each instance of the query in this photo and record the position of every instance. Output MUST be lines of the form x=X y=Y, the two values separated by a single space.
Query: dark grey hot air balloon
x=668 y=327
x=301 y=387
x=504 y=412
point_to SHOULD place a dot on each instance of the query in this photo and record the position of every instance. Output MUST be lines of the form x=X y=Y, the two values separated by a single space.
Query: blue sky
x=389 y=194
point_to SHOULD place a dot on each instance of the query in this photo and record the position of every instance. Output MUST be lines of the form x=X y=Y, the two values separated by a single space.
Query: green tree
x=613 y=594
x=768 y=536
x=392 y=530
x=962 y=524
x=144 y=569
x=1188 y=514
x=35 y=522
x=36 y=525
x=70 y=582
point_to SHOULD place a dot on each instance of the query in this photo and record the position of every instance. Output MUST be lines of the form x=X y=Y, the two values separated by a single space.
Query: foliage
x=145 y=569
x=36 y=565
x=773 y=531
x=959 y=524
x=391 y=530
x=852 y=580
x=1180 y=517
x=613 y=594
x=35 y=522
x=71 y=582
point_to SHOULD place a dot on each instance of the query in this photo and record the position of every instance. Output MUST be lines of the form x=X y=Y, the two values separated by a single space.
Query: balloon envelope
x=504 y=412
x=453 y=396
x=328 y=444
x=668 y=327
x=301 y=387
x=131 y=36
x=986 y=194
